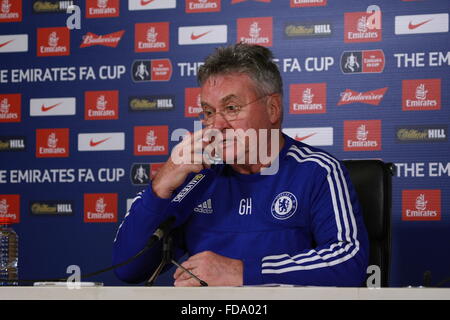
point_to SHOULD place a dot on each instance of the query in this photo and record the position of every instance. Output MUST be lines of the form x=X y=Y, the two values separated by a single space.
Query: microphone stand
x=167 y=258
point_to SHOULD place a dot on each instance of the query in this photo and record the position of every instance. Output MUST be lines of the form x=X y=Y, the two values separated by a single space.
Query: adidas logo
x=205 y=207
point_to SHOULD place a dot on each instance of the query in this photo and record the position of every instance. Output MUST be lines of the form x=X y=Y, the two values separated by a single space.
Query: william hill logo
x=151 y=103
x=16 y=143
x=434 y=133
x=51 y=6
x=59 y=207
x=421 y=205
x=307 y=30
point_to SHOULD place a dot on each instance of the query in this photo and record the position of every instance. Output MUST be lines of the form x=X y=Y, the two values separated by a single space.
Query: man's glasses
x=230 y=112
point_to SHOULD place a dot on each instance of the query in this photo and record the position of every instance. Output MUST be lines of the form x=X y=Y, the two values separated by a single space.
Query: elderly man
x=298 y=222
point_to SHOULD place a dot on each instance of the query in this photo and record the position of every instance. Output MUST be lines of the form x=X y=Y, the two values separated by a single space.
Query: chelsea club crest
x=284 y=205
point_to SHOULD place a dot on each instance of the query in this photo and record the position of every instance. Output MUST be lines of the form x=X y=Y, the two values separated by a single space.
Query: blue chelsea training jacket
x=302 y=225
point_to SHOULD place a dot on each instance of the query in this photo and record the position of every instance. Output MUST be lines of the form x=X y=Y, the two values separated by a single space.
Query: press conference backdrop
x=88 y=112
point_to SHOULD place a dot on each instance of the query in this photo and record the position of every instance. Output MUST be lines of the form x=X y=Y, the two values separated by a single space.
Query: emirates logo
x=152 y=37
x=362 y=133
x=307 y=96
x=102 y=4
x=363 y=26
x=52 y=141
x=6 y=6
x=255 y=30
x=10 y=107
x=53 y=40
x=4 y=206
x=202 y=6
x=150 y=138
x=421 y=205
x=4 y=106
x=421 y=92
x=101 y=103
x=100 y=205
x=9 y=208
x=102 y=8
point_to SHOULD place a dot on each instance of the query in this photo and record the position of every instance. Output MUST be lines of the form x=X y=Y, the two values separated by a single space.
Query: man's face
x=221 y=92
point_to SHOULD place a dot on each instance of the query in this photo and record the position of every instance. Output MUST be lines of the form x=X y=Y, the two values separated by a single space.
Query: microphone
x=161 y=231
x=180 y=208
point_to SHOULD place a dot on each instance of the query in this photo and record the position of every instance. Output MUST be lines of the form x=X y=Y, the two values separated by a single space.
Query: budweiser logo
x=108 y=40
x=370 y=97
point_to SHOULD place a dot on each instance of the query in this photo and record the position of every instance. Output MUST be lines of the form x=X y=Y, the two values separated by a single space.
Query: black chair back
x=372 y=180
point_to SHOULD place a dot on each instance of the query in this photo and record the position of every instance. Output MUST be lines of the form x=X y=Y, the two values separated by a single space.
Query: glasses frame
x=210 y=119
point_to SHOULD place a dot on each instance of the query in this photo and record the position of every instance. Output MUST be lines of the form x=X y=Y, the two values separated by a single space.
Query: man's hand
x=214 y=269
x=186 y=157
